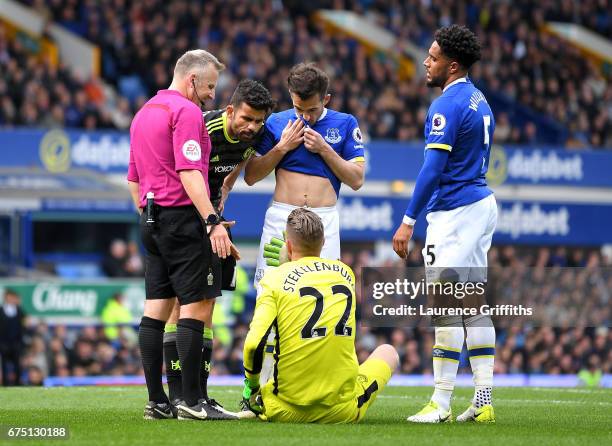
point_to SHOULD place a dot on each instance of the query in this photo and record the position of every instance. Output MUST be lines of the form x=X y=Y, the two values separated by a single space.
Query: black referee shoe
x=159 y=411
x=204 y=411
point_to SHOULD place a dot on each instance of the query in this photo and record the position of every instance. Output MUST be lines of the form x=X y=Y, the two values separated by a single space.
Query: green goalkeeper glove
x=251 y=397
x=275 y=252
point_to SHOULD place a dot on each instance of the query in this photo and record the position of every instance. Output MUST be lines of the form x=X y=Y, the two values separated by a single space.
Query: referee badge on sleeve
x=192 y=150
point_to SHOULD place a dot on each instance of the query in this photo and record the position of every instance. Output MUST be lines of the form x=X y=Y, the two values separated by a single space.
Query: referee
x=169 y=153
x=233 y=132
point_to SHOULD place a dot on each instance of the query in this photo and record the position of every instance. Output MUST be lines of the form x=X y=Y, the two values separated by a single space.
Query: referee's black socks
x=189 y=345
x=173 y=364
x=206 y=357
x=150 y=336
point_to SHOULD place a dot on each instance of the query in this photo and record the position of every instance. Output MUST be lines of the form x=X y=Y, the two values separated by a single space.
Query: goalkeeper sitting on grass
x=310 y=302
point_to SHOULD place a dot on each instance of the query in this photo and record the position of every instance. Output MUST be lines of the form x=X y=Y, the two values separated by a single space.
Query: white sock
x=442 y=398
x=482 y=397
x=446 y=351
x=480 y=341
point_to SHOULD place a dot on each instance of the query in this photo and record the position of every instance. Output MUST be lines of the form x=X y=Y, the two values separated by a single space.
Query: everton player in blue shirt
x=313 y=150
x=461 y=215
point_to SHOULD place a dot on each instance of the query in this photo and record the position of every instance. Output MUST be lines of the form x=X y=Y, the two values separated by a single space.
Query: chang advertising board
x=76 y=301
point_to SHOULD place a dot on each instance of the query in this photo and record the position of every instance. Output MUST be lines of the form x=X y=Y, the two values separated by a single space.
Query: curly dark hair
x=459 y=43
x=254 y=94
x=306 y=80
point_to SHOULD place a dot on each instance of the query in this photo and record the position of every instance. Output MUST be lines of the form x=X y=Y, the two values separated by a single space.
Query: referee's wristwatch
x=213 y=219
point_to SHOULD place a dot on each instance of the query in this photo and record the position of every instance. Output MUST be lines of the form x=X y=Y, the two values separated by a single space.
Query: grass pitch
x=113 y=416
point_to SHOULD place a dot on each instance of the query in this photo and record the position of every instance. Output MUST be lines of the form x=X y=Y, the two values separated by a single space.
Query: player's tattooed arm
x=228 y=184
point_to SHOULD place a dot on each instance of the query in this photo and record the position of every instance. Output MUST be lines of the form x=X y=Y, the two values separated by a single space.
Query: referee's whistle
x=150 y=215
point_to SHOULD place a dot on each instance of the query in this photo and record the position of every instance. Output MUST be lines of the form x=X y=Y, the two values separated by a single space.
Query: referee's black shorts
x=179 y=256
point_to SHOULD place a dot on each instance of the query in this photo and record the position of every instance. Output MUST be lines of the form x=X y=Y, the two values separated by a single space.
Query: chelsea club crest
x=333 y=136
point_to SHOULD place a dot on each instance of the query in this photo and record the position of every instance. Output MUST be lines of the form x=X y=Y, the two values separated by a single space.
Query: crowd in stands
x=123 y=260
x=87 y=351
x=521 y=347
x=538 y=350
x=141 y=40
x=62 y=351
x=35 y=93
x=520 y=61
x=593 y=14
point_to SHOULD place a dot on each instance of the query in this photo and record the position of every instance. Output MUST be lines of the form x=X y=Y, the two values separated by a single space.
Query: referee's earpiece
x=196 y=94
x=192 y=86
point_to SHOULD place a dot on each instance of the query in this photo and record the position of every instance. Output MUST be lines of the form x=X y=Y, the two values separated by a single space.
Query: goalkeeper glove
x=251 y=397
x=275 y=252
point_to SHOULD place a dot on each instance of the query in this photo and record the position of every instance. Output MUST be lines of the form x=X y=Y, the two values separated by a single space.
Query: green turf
x=113 y=416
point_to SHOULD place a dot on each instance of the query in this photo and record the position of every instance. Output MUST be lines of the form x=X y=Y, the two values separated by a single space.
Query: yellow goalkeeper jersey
x=311 y=305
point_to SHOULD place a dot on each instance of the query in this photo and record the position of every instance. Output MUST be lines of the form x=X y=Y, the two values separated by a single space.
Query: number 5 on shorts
x=431 y=257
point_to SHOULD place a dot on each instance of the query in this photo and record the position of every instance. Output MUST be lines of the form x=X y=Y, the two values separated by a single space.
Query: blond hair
x=196 y=60
x=305 y=229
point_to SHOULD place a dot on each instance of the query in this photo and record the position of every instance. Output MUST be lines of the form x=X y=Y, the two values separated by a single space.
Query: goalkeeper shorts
x=373 y=376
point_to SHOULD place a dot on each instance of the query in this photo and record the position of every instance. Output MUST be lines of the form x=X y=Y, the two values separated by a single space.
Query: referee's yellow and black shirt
x=226 y=152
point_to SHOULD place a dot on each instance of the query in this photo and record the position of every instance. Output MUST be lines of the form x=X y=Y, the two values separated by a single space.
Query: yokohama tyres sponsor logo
x=225 y=169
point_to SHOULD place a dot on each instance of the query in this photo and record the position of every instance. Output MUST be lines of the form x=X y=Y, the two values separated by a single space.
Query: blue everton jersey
x=460 y=121
x=340 y=131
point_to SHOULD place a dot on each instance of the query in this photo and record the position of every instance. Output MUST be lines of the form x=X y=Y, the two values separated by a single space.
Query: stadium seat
x=78 y=270
x=131 y=87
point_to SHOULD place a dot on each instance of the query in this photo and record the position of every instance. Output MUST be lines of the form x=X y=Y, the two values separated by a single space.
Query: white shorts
x=276 y=222
x=460 y=238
